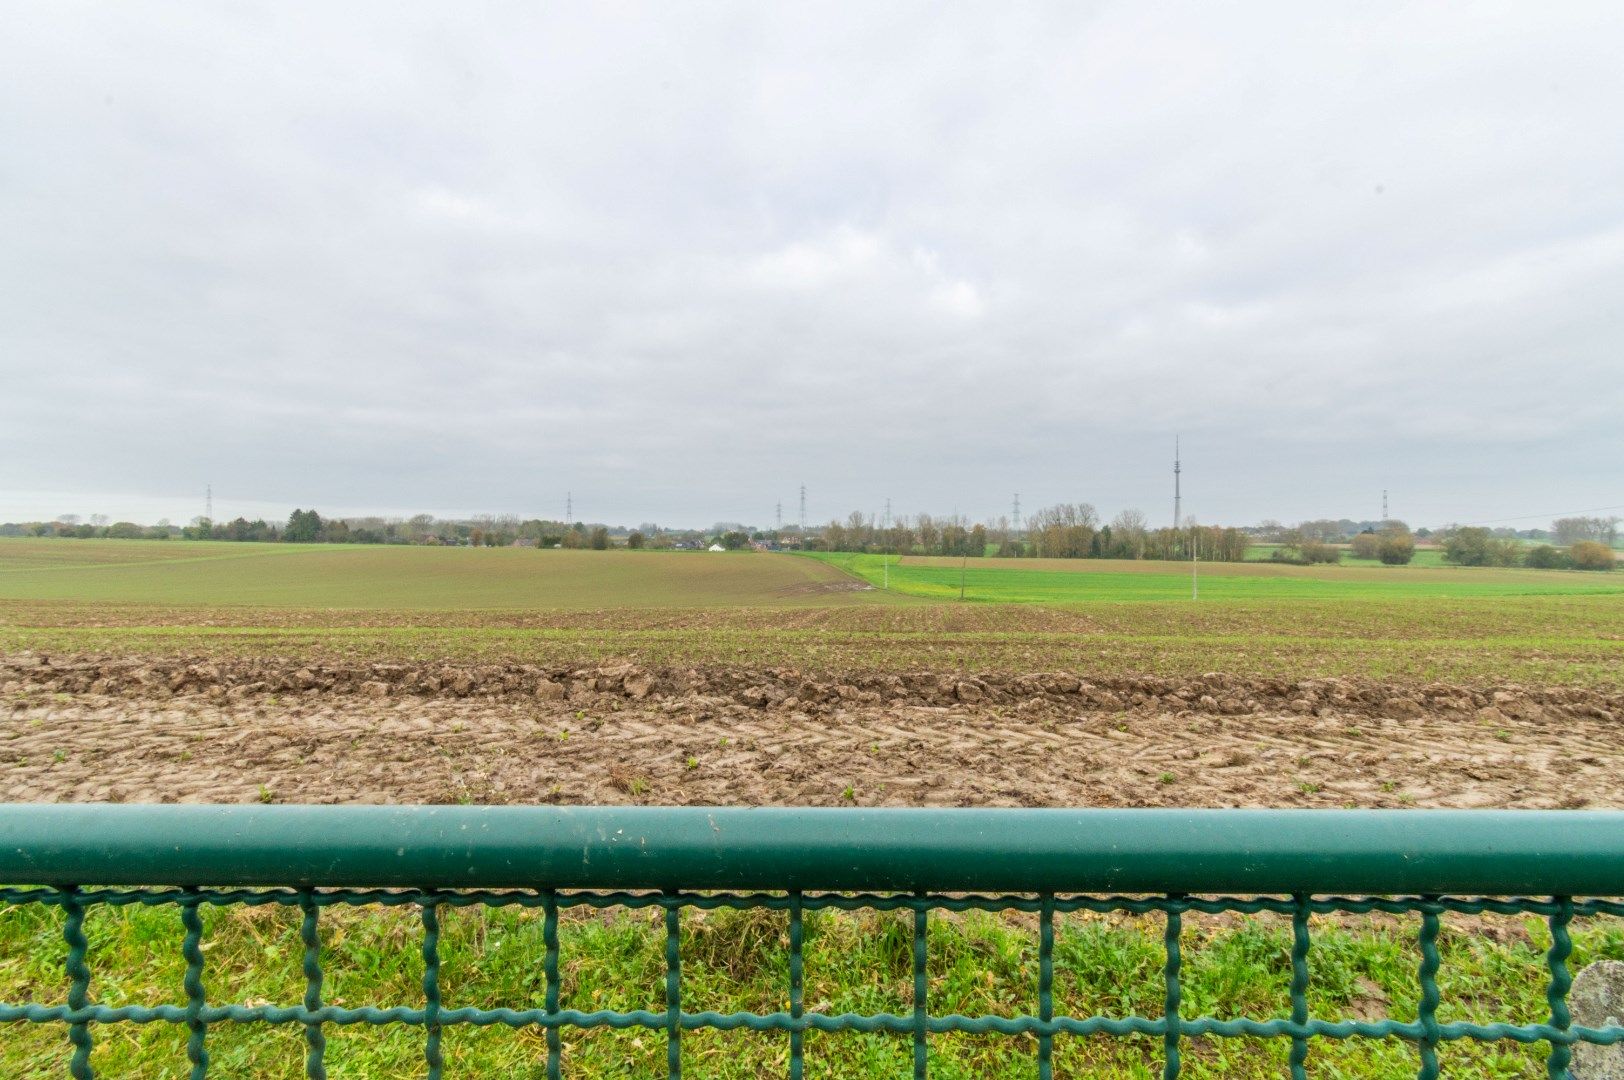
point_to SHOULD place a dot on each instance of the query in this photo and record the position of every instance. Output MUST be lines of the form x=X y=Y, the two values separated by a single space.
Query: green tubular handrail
x=1033 y=851
x=1299 y=864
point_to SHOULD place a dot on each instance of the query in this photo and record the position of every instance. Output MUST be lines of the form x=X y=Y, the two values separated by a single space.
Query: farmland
x=171 y=671
x=1071 y=581
x=1409 y=624
x=376 y=578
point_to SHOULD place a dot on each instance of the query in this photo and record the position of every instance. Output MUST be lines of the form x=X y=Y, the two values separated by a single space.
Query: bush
x=1590 y=555
x=1316 y=552
x=1366 y=545
x=1546 y=557
x=1395 y=547
x=1480 y=547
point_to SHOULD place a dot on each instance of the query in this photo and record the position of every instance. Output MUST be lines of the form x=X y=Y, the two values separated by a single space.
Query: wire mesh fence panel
x=205 y=1011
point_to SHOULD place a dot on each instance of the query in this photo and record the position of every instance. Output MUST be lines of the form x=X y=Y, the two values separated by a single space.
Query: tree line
x=1063 y=531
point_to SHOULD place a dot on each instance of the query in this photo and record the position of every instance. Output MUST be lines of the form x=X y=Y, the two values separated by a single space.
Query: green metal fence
x=1559 y=865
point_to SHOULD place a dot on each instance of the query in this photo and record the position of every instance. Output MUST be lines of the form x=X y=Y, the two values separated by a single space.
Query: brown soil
x=124 y=730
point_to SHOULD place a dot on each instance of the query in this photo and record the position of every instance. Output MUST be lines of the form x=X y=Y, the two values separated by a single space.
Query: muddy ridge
x=791 y=690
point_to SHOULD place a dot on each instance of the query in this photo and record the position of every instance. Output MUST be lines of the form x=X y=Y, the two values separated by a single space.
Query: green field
x=1075 y=581
x=1408 y=624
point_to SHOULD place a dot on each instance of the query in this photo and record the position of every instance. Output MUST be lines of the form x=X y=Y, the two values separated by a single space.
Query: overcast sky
x=680 y=259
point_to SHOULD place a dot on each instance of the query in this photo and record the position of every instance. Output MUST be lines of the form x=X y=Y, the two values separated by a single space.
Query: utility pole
x=1195 y=585
x=778 y=515
x=569 y=508
x=1384 y=506
x=888 y=512
x=803 y=508
x=964 y=562
x=1016 y=517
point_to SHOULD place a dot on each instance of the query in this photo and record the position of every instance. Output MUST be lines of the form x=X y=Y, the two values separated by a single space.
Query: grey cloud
x=681 y=259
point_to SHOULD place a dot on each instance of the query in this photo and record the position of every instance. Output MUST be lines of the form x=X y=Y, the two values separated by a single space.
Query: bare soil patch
x=94 y=729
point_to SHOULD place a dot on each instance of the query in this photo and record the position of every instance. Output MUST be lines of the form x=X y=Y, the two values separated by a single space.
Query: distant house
x=716 y=547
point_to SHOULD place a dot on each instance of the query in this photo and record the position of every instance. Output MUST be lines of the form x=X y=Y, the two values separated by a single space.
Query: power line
x=1535 y=517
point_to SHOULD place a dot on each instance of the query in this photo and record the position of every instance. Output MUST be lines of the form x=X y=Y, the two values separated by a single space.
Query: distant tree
x=1476 y=546
x=600 y=539
x=1394 y=546
x=304 y=527
x=735 y=539
x=1366 y=545
x=476 y=536
x=1546 y=557
x=1570 y=530
x=1316 y=551
x=1065 y=531
x=1322 y=529
x=635 y=540
x=125 y=530
x=1127 y=535
x=1591 y=555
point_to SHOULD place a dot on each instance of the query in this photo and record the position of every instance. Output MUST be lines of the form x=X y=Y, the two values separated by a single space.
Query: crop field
x=378 y=578
x=1425 y=556
x=1071 y=581
x=1408 y=624
x=170 y=671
